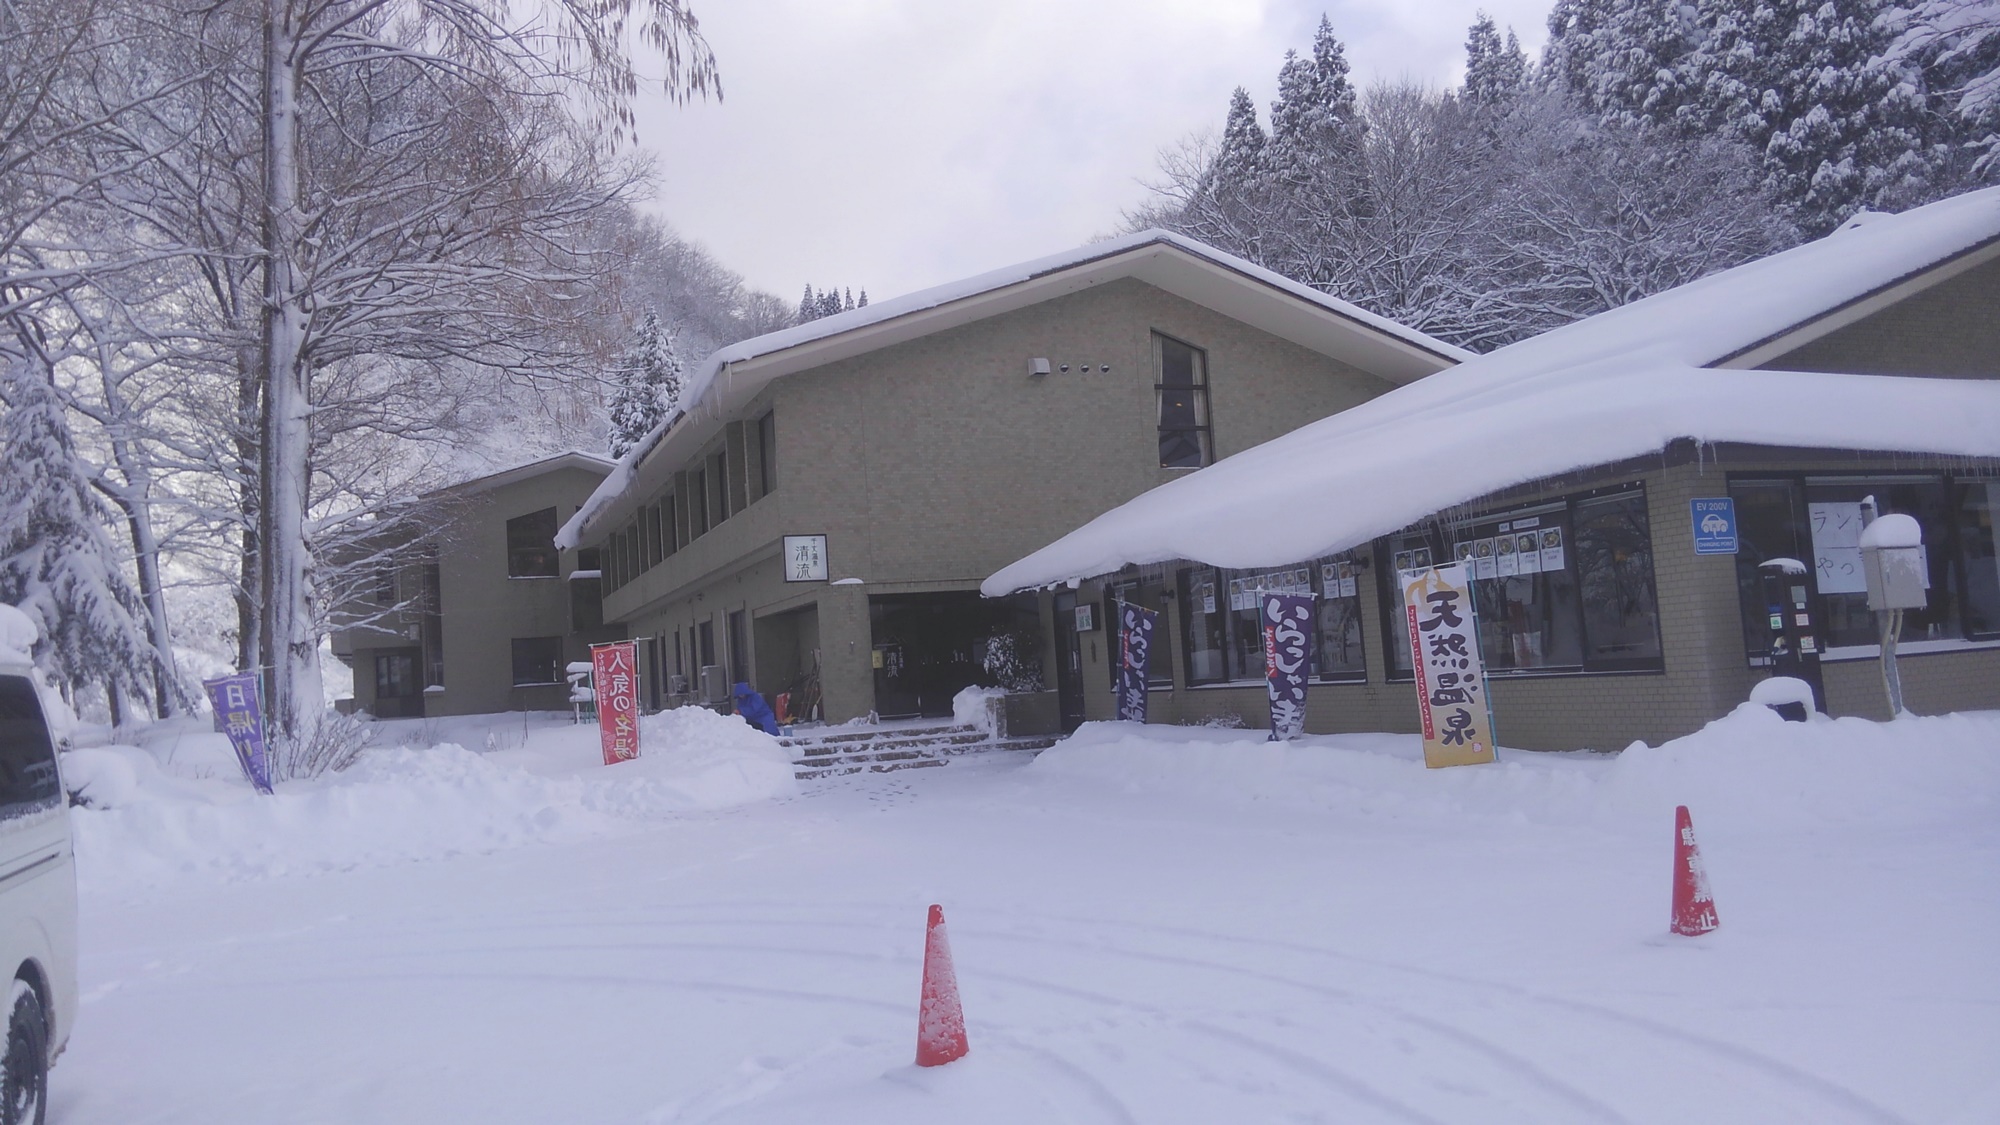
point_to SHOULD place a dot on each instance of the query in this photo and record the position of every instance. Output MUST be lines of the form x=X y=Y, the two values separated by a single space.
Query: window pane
x=1182 y=449
x=1177 y=364
x=1847 y=620
x=1340 y=655
x=1202 y=606
x=536 y=660
x=1614 y=563
x=1148 y=595
x=1245 y=615
x=531 y=545
x=1979 y=544
x=27 y=756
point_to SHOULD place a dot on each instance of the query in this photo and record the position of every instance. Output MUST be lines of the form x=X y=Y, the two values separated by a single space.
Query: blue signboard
x=1714 y=525
x=238 y=715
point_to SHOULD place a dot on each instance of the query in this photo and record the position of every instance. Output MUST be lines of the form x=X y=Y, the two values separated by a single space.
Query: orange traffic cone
x=940 y=1021
x=1694 y=907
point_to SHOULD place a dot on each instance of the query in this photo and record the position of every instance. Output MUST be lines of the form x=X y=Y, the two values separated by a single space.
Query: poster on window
x=1836 y=540
x=1288 y=631
x=614 y=673
x=238 y=715
x=1135 y=659
x=1452 y=704
x=1552 y=548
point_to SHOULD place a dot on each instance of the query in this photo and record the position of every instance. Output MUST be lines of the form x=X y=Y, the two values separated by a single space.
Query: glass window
x=1614 y=567
x=1979 y=547
x=537 y=661
x=698 y=497
x=670 y=532
x=1246 y=590
x=28 y=781
x=531 y=545
x=767 y=453
x=1339 y=653
x=1770 y=524
x=1833 y=524
x=1183 y=395
x=718 y=483
x=1203 y=607
x=1148 y=595
x=1530 y=568
x=586 y=604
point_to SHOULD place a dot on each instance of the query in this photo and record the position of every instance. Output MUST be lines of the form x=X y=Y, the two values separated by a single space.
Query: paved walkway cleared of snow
x=1179 y=926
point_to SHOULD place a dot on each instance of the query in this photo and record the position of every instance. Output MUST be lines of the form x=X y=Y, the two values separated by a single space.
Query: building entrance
x=929 y=647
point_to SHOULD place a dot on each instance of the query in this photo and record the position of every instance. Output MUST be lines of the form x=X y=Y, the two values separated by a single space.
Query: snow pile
x=1892 y=530
x=1750 y=770
x=978 y=707
x=180 y=806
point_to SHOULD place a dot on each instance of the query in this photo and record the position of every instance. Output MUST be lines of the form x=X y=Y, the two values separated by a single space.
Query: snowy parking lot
x=1150 y=926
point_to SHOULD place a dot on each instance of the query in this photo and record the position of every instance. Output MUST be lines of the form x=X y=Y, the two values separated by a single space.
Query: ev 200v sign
x=1714 y=520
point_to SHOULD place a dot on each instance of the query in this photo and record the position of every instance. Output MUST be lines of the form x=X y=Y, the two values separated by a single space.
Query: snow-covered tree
x=56 y=562
x=1957 y=43
x=1626 y=60
x=1496 y=71
x=648 y=385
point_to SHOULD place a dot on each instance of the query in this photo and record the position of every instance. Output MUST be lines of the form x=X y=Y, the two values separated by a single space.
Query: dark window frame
x=525 y=659
x=530 y=553
x=767 y=452
x=1440 y=538
x=1198 y=405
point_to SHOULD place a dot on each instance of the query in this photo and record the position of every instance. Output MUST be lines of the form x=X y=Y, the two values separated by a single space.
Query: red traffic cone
x=940 y=1021
x=1694 y=907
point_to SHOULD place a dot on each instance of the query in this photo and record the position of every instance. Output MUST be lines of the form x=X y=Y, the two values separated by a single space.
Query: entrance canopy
x=1622 y=384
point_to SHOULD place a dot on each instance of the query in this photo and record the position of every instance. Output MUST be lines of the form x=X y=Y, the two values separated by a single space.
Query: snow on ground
x=177 y=804
x=1157 y=926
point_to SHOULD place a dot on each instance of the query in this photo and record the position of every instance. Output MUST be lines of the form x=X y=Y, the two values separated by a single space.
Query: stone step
x=838 y=735
x=880 y=759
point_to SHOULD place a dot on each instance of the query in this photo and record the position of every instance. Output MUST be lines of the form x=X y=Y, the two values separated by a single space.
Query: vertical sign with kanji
x=1287 y=661
x=614 y=674
x=238 y=715
x=1456 y=714
x=1135 y=658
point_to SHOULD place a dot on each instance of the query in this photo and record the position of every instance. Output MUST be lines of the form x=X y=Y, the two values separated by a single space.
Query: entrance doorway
x=399 y=694
x=930 y=647
x=1069 y=663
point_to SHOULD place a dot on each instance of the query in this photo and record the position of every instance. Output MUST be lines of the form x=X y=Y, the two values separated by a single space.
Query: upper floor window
x=767 y=453
x=1183 y=387
x=531 y=546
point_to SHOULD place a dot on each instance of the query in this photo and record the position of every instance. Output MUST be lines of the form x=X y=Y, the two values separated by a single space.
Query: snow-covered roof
x=567 y=459
x=1621 y=384
x=731 y=376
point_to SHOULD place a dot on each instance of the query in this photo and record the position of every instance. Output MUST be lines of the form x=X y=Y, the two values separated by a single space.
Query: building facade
x=485 y=613
x=1864 y=367
x=817 y=520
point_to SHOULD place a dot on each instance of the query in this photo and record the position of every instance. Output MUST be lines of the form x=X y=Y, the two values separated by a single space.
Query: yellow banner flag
x=1451 y=676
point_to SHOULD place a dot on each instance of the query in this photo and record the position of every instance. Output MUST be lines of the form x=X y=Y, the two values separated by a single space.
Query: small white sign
x=805 y=558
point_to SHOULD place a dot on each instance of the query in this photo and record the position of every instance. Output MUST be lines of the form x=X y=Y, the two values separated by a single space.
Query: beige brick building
x=910 y=448
x=485 y=614
x=1863 y=365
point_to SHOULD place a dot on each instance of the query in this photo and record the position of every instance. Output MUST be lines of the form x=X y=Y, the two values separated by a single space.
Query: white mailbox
x=1892 y=561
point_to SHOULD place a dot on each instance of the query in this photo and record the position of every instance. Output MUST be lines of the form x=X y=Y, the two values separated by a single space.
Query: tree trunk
x=290 y=642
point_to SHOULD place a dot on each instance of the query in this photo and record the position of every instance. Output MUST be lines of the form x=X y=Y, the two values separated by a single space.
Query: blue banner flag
x=238 y=716
x=1135 y=657
x=1287 y=620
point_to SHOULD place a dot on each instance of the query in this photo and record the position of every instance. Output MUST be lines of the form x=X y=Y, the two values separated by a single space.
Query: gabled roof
x=1617 y=385
x=567 y=459
x=732 y=376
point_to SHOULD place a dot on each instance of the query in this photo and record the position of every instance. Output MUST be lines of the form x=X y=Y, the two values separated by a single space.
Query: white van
x=37 y=898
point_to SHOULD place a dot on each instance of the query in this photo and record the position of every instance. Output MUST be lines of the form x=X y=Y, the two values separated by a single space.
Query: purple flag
x=1287 y=661
x=1135 y=657
x=238 y=715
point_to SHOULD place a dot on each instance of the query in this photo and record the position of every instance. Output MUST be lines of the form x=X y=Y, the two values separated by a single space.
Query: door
x=398 y=692
x=1069 y=663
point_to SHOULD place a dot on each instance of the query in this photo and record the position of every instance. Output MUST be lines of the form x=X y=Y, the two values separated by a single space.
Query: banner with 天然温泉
x=614 y=675
x=1287 y=621
x=1452 y=702
x=238 y=715
x=1135 y=658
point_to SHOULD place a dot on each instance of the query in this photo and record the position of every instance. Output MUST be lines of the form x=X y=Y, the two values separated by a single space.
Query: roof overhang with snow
x=731 y=378
x=1616 y=386
x=568 y=459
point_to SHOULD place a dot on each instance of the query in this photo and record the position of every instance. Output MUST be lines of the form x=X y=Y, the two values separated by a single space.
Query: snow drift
x=178 y=806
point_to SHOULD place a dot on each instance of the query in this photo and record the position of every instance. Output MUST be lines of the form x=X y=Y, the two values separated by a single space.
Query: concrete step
x=903 y=749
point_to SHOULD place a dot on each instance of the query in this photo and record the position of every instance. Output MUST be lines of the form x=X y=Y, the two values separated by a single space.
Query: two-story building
x=1632 y=494
x=483 y=613
x=816 y=518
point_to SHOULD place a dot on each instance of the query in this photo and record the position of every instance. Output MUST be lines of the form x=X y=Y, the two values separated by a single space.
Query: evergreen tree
x=1495 y=72
x=863 y=303
x=1840 y=127
x=1625 y=60
x=56 y=562
x=808 y=306
x=847 y=302
x=1315 y=122
x=648 y=386
x=1957 y=43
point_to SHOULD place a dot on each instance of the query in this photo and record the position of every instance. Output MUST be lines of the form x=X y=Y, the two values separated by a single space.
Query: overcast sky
x=896 y=144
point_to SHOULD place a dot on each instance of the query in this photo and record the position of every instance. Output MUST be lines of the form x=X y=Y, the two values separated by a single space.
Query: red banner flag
x=614 y=674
